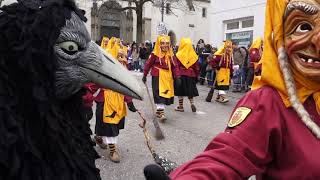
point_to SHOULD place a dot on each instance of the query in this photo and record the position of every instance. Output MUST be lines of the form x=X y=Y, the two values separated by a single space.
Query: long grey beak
x=111 y=74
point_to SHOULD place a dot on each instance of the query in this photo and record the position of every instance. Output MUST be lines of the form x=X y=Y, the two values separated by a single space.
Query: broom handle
x=155 y=122
x=145 y=133
x=150 y=99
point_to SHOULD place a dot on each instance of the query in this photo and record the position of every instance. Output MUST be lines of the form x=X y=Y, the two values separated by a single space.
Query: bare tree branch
x=138 y=7
x=129 y=7
x=144 y=1
x=170 y=10
x=136 y=2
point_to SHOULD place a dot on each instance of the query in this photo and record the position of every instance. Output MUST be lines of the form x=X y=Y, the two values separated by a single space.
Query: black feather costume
x=41 y=137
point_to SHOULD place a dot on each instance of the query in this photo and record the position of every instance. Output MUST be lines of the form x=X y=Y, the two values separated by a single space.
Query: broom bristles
x=159 y=134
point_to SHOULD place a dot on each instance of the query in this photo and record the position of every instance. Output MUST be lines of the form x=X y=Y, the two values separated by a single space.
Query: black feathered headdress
x=29 y=30
x=42 y=138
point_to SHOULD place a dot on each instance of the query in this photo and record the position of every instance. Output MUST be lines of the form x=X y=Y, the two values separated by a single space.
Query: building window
x=247 y=23
x=204 y=12
x=168 y=8
x=233 y=25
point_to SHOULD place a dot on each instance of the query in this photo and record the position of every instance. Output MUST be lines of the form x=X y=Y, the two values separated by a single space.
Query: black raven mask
x=46 y=56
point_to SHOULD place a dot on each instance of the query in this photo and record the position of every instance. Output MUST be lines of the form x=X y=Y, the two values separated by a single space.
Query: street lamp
x=161 y=5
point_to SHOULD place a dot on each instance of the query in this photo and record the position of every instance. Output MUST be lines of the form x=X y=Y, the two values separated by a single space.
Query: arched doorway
x=108 y=20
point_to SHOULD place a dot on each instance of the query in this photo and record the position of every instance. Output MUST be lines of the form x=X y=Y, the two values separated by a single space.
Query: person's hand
x=131 y=107
x=155 y=172
x=144 y=79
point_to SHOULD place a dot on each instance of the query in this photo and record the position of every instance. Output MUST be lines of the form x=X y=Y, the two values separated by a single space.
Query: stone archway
x=108 y=20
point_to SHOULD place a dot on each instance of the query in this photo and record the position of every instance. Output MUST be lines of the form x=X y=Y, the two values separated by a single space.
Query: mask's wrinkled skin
x=164 y=45
x=302 y=37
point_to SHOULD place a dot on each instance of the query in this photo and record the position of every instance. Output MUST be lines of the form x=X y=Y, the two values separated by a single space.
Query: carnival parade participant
x=104 y=42
x=255 y=53
x=111 y=109
x=113 y=46
x=223 y=59
x=187 y=61
x=110 y=46
x=163 y=70
x=223 y=62
x=113 y=115
x=274 y=130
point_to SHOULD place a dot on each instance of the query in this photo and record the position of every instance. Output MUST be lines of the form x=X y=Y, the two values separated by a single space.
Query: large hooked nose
x=316 y=41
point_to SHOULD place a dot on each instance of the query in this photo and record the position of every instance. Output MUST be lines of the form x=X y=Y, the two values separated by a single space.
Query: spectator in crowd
x=149 y=48
x=200 y=46
x=240 y=55
x=134 y=56
x=143 y=55
x=210 y=71
x=203 y=55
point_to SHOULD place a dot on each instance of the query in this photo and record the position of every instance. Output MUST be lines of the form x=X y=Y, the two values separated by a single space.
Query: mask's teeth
x=310 y=61
x=317 y=62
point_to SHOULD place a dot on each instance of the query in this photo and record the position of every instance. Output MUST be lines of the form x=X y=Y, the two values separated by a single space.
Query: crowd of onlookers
x=242 y=75
x=138 y=55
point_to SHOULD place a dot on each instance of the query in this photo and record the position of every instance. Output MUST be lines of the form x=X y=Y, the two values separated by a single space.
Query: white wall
x=211 y=29
x=180 y=20
x=178 y=23
x=223 y=10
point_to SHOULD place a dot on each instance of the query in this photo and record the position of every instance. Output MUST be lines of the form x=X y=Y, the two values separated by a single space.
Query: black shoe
x=193 y=108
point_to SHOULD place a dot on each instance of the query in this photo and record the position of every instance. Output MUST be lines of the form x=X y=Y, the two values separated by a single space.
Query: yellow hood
x=157 y=50
x=271 y=72
x=104 y=39
x=186 y=54
x=257 y=43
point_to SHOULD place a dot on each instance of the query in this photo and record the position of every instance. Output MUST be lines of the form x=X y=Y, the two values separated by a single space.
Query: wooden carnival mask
x=164 y=45
x=302 y=37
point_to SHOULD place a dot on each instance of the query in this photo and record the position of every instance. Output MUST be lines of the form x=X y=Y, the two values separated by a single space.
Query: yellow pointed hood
x=113 y=47
x=222 y=49
x=186 y=54
x=157 y=50
x=257 y=43
x=103 y=42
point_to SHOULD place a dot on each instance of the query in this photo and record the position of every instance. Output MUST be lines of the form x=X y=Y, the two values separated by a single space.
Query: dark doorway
x=110 y=31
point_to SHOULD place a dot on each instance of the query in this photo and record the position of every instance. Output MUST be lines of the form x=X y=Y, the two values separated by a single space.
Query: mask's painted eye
x=304 y=28
x=69 y=47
